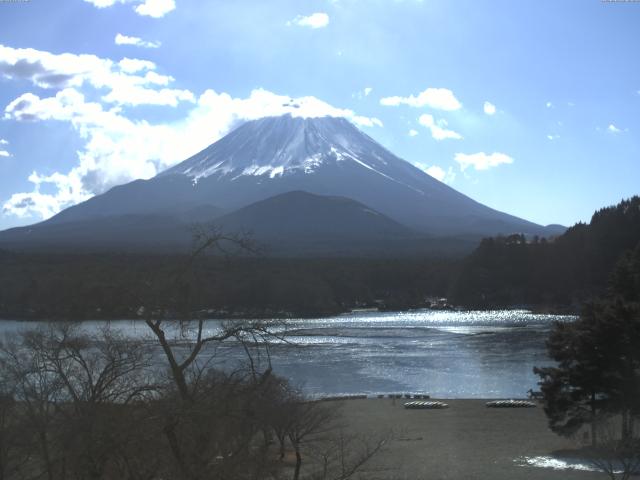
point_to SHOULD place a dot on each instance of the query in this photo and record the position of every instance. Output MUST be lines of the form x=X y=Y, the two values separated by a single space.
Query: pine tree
x=598 y=359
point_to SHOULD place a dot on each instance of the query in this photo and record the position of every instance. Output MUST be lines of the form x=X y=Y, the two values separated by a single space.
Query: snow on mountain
x=280 y=146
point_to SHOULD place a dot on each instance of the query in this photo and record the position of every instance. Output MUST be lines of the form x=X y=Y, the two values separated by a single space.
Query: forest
x=114 y=286
x=555 y=275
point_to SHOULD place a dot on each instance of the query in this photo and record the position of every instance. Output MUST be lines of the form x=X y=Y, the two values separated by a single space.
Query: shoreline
x=285 y=316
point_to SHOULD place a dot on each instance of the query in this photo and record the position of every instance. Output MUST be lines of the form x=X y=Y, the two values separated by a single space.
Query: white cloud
x=440 y=174
x=315 y=20
x=437 y=128
x=549 y=105
x=128 y=82
x=118 y=149
x=155 y=8
x=613 y=129
x=149 y=8
x=489 y=108
x=44 y=205
x=481 y=160
x=121 y=39
x=553 y=136
x=413 y=132
x=367 y=91
x=135 y=65
x=4 y=142
x=438 y=98
x=436 y=172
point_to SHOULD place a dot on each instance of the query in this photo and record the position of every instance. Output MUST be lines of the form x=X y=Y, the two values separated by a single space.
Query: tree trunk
x=176 y=371
x=174 y=445
x=626 y=424
x=296 y=474
x=594 y=433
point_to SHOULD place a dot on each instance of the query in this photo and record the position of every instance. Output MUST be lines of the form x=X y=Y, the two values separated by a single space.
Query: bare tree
x=307 y=421
x=213 y=417
x=79 y=404
x=13 y=454
x=341 y=456
x=37 y=392
x=75 y=394
x=618 y=453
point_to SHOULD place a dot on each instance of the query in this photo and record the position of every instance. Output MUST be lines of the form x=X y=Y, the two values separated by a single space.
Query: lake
x=476 y=354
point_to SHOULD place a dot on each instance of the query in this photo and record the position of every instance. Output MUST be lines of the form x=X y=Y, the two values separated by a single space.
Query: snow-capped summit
x=286 y=145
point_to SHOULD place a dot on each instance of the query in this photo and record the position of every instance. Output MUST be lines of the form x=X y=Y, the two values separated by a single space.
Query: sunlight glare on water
x=447 y=354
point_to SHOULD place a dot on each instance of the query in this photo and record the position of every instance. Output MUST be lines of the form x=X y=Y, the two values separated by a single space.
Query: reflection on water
x=446 y=354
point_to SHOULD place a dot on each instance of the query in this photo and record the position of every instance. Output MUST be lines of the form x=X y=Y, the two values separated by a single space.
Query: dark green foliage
x=564 y=271
x=114 y=286
x=598 y=359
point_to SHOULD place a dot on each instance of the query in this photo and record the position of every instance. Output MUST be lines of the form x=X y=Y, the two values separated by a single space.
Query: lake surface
x=445 y=354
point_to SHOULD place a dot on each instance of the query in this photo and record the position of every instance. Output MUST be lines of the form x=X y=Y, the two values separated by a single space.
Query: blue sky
x=530 y=107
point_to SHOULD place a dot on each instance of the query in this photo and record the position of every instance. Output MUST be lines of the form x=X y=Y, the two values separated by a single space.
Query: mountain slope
x=272 y=156
x=149 y=232
x=325 y=156
x=293 y=223
x=301 y=214
x=300 y=222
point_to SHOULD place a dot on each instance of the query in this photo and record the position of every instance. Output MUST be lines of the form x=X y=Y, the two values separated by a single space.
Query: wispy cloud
x=121 y=39
x=438 y=128
x=437 y=98
x=481 y=160
x=613 y=129
x=489 y=108
x=413 y=132
x=553 y=136
x=3 y=152
x=365 y=92
x=315 y=20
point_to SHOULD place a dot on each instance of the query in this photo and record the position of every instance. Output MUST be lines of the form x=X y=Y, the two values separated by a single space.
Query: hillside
x=507 y=271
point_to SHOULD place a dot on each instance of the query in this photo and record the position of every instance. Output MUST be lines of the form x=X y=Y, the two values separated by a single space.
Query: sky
x=530 y=107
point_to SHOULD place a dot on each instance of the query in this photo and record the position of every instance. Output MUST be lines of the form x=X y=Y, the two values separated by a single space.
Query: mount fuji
x=339 y=174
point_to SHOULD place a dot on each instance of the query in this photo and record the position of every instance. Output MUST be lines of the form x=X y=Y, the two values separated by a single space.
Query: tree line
x=106 y=286
x=556 y=274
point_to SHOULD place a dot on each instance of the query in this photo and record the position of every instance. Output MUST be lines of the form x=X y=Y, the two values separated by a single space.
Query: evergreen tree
x=598 y=359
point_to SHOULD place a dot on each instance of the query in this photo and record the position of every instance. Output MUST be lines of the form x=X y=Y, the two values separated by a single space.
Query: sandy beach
x=465 y=441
